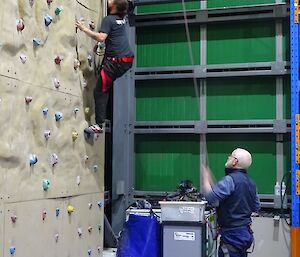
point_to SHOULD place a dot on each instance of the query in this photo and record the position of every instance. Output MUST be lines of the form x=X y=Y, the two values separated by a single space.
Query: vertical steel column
x=295 y=229
x=203 y=61
x=279 y=107
x=123 y=143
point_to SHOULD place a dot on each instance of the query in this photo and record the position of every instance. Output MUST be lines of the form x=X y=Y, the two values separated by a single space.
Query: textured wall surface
x=27 y=70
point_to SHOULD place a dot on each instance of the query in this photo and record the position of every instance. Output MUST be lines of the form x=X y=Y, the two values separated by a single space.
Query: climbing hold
x=56 y=236
x=58 y=116
x=99 y=227
x=28 y=99
x=58 y=10
x=84 y=83
x=76 y=64
x=78 y=180
x=90 y=252
x=57 y=212
x=48 y=20
x=45 y=111
x=37 y=42
x=32 y=159
x=12 y=250
x=90 y=205
x=92 y=25
x=54 y=159
x=46 y=184
x=74 y=136
x=20 y=25
x=23 y=58
x=99 y=249
x=44 y=214
x=87 y=110
x=56 y=83
x=76 y=110
x=31 y=3
x=90 y=59
x=14 y=218
x=58 y=60
x=79 y=231
x=86 y=158
x=70 y=209
x=99 y=203
x=101 y=45
x=49 y=2
x=90 y=228
x=95 y=168
x=47 y=134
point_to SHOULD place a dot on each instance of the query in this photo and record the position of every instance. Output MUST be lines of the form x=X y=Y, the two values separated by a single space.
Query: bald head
x=239 y=159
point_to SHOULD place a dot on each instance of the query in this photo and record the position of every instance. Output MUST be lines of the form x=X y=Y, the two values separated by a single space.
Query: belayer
x=235 y=197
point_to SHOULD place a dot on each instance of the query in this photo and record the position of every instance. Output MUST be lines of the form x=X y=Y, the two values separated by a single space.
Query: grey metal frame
x=207 y=16
x=123 y=144
x=125 y=126
x=277 y=68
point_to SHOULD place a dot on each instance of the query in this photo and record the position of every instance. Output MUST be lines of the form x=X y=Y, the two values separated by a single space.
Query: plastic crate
x=183 y=211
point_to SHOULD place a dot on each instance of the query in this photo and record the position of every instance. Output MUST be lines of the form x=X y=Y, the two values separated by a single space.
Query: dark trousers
x=110 y=71
x=236 y=242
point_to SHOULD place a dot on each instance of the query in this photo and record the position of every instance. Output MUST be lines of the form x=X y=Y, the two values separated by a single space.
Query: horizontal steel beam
x=213 y=127
x=213 y=71
x=266 y=200
x=147 y=2
x=215 y=15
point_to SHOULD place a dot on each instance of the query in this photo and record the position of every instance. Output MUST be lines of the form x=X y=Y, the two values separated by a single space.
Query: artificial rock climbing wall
x=51 y=177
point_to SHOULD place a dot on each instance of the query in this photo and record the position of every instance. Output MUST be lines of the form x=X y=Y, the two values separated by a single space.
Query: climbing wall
x=51 y=175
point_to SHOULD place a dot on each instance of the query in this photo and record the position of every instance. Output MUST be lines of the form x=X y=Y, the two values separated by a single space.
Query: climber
x=235 y=197
x=118 y=57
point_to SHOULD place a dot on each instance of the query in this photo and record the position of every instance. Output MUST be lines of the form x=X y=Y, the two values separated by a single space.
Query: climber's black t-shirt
x=117 y=44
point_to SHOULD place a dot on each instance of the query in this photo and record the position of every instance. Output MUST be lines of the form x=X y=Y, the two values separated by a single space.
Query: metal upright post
x=123 y=144
x=295 y=229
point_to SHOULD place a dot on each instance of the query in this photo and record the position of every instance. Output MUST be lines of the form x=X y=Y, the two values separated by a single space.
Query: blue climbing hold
x=33 y=159
x=37 y=42
x=12 y=250
x=48 y=20
x=58 y=116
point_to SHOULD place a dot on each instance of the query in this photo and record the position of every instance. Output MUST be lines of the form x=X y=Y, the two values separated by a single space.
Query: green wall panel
x=241 y=98
x=241 y=43
x=166 y=46
x=263 y=149
x=163 y=100
x=168 y=7
x=162 y=161
x=287 y=97
x=228 y=3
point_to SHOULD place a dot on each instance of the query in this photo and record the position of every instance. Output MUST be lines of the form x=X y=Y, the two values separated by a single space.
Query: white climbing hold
x=47 y=134
x=56 y=236
x=56 y=83
x=45 y=111
x=76 y=64
x=54 y=159
x=84 y=83
x=23 y=58
x=33 y=159
x=78 y=180
x=28 y=99
x=79 y=231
